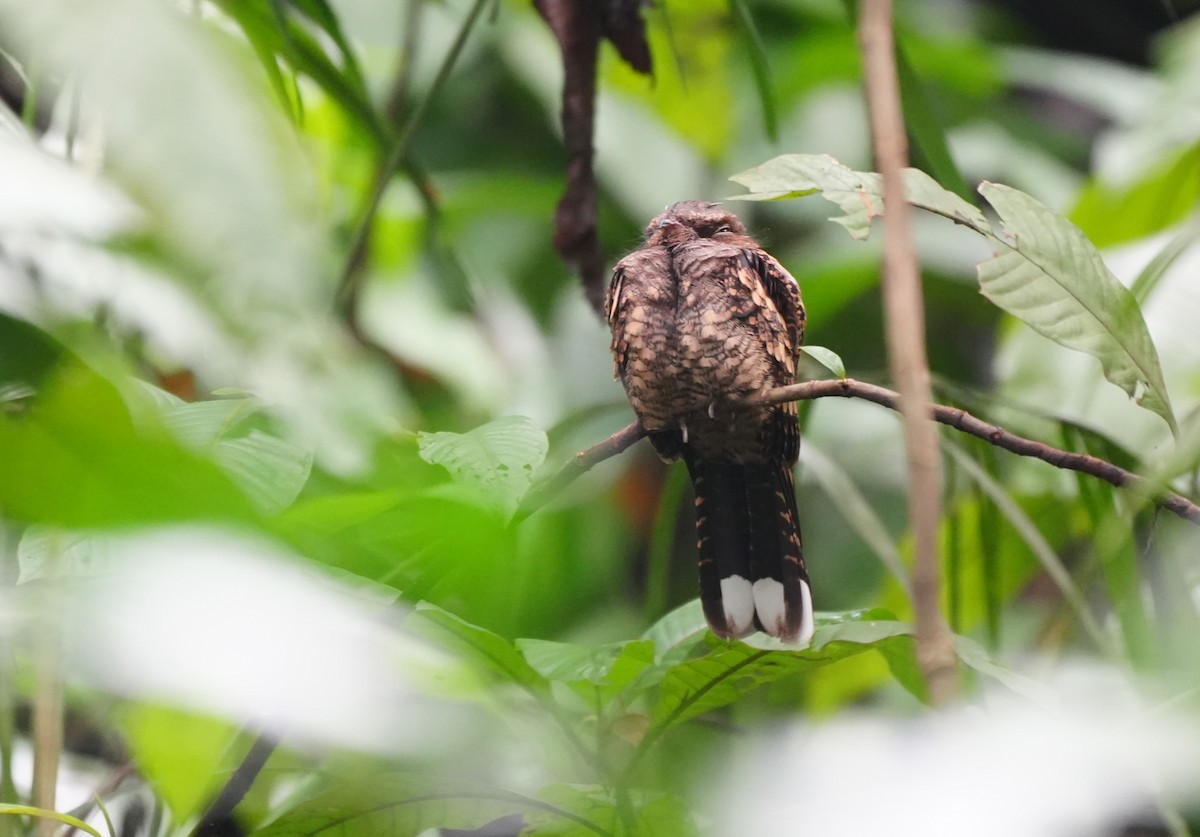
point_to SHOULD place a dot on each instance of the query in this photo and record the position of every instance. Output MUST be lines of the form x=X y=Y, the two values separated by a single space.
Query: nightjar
x=701 y=317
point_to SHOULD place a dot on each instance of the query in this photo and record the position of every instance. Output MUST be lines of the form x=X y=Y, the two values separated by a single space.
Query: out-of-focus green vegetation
x=260 y=497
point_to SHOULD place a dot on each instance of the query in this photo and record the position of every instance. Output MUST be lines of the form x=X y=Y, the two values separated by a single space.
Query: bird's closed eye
x=724 y=228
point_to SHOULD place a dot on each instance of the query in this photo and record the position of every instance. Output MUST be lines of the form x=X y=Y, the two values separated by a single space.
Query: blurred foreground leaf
x=730 y=671
x=495 y=461
x=78 y=459
x=185 y=756
x=399 y=804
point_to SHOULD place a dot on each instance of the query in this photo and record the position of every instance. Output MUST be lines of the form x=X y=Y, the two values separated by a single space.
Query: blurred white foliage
x=225 y=193
x=1085 y=755
x=42 y=192
x=230 y=624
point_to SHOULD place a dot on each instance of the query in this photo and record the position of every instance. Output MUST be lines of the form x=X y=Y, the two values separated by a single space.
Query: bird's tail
x=752 y=573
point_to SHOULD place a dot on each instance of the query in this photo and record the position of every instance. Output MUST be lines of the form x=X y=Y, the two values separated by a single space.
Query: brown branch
x=960 y=420
x=579 y=26
x=583 y=462
x=1102 y=469
x=904 y=322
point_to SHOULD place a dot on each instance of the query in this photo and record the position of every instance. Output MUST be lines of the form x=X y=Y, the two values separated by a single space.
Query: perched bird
x=701 y=317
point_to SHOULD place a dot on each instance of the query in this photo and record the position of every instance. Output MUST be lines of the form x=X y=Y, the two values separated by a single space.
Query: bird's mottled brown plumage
x=701 y=316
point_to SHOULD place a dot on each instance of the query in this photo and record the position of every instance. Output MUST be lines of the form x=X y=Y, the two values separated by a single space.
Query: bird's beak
x=667 y=221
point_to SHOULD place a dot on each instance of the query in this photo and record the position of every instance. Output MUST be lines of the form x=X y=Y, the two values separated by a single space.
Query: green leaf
x=1050 y=276
x=679 y=632
x=827 y=358
x=730 y=671
x=686 y=91
x=858 y=194
x=402 y=804
x=590 y=810
x=42 y=813
x=80 y=460
x=273 y=33
x=923 y=125
x=50 y=552
x=1149 y=277
x=971 y=653
x=270 y=470
x=756 y=50
x=1045 y=272
x=496 y=460
x=27 y=354
x=183 y=755
x=587 y=810
x=491 y=652
x=616 y=663
x=798 y=175
x=1163 y=197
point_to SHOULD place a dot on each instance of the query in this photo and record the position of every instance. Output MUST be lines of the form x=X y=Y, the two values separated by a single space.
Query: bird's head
x=690 y=220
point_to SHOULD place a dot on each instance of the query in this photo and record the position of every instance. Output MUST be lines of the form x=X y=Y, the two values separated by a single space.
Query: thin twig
x=238 y=786
x=349 y=285
x=904 y=323
x=960 y=420
x=583 y=462
x=397 y=100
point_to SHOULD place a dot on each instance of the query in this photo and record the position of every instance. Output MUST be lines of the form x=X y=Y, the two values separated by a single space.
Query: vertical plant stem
x=8 y=790
x=904 y=316
x=954 y=543
x=47 y=699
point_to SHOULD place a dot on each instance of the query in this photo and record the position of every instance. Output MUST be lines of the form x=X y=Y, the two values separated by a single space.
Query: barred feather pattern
x=702 y=316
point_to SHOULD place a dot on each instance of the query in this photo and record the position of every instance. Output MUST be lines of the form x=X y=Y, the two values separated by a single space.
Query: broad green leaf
x=827 y=358
x=183 y=755
x=1047 y=274
x=491 y=652
x=270 y=470
x=588 y=810
x=901 y=657
x=42 y=813
x=730 y=671
x=27 y=354
x=497 y=460
x=45 y=551
x=400 y=805
x=80 y=460
x=973 y=654
x=677 y=634
x=858 y=194
x=926 y=129
x=603 y=671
